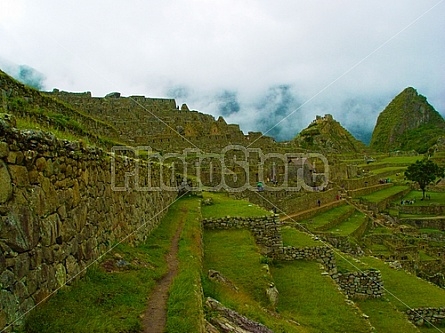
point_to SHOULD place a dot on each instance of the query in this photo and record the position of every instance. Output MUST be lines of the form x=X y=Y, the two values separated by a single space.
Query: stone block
x=50 y=230
x=21 y=229
x=4 y=149
x=5 y=183
x=19 y=175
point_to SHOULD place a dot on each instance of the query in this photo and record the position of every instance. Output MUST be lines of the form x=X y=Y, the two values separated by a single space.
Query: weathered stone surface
x=19 y=175
x=21 y=230
x=5 y=183
x=50 y=230
x=272 y=293
x=230 y=321
x=4 y=149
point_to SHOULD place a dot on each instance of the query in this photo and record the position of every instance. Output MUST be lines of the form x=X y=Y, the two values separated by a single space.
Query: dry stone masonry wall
x=426 y=316
x=59 y=213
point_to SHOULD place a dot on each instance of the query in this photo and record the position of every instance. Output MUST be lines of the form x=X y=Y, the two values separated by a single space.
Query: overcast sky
x=255 y=62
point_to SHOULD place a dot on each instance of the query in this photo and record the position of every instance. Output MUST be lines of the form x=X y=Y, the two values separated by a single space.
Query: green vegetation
x=435 y=198
x=224 y=206
x=184 y=302
x=385 y=317
x=404 y=160
x=387 y=169
x=296 y=238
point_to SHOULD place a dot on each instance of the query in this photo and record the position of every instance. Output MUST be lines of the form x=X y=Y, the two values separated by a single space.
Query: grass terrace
x=384 y=194
x=349 y=225
x=224 y=206
x=296 y=238
x=322 y=219
x=436 y=198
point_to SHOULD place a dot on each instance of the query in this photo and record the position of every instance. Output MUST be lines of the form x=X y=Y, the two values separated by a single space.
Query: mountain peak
x=409 y=122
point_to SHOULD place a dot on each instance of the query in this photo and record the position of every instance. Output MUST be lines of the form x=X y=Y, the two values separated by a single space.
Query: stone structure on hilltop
x=327 y=135
x=159 y=123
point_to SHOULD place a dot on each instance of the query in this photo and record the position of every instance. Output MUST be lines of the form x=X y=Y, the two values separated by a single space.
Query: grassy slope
x=184 y=306
x=235 y=255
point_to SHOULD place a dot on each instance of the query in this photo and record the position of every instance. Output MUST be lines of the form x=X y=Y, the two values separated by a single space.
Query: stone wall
x=289 y=202
x=59 y=213
x=265 y=230
x=368 y=190
x=322 y=254
x=383 y=204
x=425 y=316
x=425 y=223
x=358 y=183
x=437 y=210
x=157 y=122
x=365 y=284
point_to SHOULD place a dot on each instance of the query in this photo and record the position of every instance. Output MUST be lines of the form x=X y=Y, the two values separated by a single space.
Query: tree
x=424 y=173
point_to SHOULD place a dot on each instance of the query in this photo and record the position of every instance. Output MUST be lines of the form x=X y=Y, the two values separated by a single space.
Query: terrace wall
x=422 y=316
x=59 y=213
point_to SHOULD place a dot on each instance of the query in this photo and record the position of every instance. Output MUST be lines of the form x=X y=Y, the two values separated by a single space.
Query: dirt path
x=155 y=316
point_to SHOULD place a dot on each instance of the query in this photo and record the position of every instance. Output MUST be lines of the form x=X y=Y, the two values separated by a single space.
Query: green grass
x=425 y=257
x=387 y=169
x=109 y=301
x=431 y=231
x=224 y=206
x=401 y=159
x=349 y=225
x=347 y=263
x=385 y=317
x=235 y=255
x=25 y=124
x=384 y=194
x=184 y=306
x=326 y=217
x=296 y=238
x=314 y=300
x=437 y=198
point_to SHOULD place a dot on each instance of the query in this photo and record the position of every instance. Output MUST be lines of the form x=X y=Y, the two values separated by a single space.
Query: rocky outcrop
x=228 y=321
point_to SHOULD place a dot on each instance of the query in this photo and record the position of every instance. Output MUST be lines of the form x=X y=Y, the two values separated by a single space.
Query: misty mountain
x=25 y=74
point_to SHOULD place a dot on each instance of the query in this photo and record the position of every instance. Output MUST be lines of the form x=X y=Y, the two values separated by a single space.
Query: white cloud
x=327 y=52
